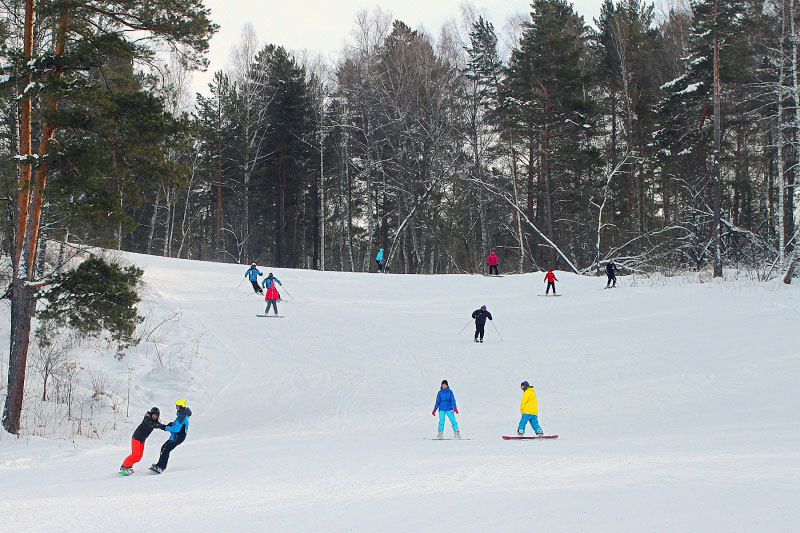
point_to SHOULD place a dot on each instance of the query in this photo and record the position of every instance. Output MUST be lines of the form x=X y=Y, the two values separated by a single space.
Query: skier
x=252 y=275
x=147 y=426
x=446 y=404
x=273 y=295
x=611 y=272
x=480 y=316
x=379 y=260
x=529 y=408
x=492 y=262
x=550 y=278
x=178 y=430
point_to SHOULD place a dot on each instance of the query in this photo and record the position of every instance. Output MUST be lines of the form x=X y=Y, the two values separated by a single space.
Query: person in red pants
x=147 y=426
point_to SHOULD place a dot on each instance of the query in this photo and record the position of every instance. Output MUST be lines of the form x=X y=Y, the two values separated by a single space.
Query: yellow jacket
x=529 y=404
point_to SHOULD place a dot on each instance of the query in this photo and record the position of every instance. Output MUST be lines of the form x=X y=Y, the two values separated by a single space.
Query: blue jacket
x=445 y=401
x=379 y=257
x=268 y=282
x=253 y=274
x=180 y=426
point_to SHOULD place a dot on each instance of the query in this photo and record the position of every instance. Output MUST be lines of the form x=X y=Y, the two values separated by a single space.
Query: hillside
x=675 y=402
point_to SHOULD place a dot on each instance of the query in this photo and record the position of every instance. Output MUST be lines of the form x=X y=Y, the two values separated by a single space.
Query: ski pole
x=287 y=292
x=465 y=327
x=496 y=331
x=240 y=284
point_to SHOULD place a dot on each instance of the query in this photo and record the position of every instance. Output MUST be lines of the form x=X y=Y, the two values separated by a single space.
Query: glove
x=433 y=412
x=162 y=426
x=455 y=411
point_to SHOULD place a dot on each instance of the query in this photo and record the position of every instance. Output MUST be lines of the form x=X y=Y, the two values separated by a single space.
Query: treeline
x=580 y=144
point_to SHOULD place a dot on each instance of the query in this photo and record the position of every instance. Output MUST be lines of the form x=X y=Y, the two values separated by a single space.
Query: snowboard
x=507 y=437
x=493 y=276
x=270 y=316
x=450 y=438
x=126 y=474
x=548 y=295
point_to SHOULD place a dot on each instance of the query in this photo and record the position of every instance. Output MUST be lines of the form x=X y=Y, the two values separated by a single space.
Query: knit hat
x=525 y=384
x=483 y=307
x=444 y=382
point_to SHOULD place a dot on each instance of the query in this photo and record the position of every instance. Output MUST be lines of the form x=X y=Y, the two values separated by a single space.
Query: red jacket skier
x=550 y=278
x=272 y=297
x=492 y=261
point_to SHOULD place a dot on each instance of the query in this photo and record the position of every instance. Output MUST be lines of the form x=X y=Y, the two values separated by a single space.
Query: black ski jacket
x=480 y=316
x=146 y=427
x=611 y=268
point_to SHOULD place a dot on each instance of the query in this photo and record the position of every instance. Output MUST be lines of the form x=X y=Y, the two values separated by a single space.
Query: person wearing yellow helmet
x=178 y=429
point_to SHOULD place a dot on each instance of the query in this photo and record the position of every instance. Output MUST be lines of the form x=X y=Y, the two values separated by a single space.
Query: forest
x=664 y=139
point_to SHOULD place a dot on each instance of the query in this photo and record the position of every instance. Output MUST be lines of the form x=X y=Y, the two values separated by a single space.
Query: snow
x=675 y=402
x=692 y=87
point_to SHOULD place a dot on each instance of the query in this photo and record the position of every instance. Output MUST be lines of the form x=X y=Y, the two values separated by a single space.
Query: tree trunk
x=717 y=133
x=517 y=219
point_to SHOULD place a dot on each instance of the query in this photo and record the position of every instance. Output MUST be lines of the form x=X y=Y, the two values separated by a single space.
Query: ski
x=434 y=438
x=270 y=316
x=548 y=295
x=126 y=474
x=507 y=437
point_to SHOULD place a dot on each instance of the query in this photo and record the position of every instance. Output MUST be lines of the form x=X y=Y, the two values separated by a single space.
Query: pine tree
x=549 y=109
x=83 y=32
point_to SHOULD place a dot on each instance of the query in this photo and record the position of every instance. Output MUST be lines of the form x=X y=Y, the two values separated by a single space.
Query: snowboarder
x=178 y=430
x=379 y=260
x=446 y=404
x=529 y=408
x=147 y=426
x=252 y=275
x=480 y=316
x=492 y=261
x=611 y=272
x=273 y=295
x=550 y=278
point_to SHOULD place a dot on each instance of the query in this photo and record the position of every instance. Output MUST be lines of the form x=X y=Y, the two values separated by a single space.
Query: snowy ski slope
x=676 y=405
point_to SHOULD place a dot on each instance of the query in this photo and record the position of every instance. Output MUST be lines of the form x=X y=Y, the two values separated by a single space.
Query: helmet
x=524 y=384
x=253 y=265
x=154 y=411
x=181 y=402
x=270 y=275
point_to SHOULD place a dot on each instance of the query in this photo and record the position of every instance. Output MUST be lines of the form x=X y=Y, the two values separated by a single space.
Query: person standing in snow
x=252 y=275
x=550 y=278
x=480 y=316
x=272 y=296
x=529 y=408
x=147 y=426
x=492 y=261
x=178 y=429
x=446 y=405
x=611 y=272
x=379 y=260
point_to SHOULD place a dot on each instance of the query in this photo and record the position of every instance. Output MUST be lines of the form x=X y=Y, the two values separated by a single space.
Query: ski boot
x=476 y=339
x=155 y=468
x=520 y=432
x=539 y=433
x=125 y=471
x=440 y=435
x=481 y=341
x=456 y=434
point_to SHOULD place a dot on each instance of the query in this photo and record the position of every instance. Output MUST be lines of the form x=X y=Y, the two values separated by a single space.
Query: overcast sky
x=322 y=25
